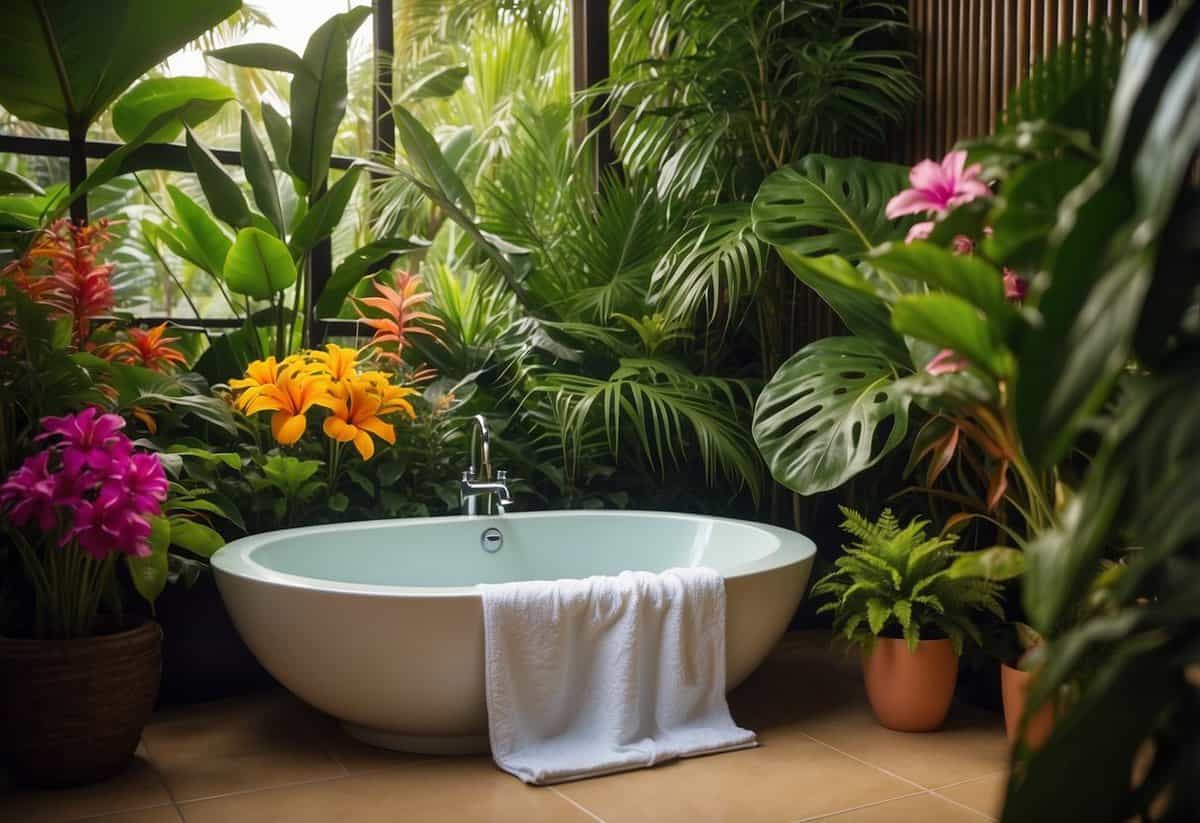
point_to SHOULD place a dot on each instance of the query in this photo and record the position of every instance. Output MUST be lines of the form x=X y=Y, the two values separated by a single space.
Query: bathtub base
x=419 y=743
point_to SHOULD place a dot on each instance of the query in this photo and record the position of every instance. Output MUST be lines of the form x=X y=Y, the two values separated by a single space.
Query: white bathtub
x=379 y=624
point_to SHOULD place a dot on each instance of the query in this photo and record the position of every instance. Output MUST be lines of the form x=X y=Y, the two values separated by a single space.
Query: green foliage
x=155 y=95
x=899 y=582
x=258 y=265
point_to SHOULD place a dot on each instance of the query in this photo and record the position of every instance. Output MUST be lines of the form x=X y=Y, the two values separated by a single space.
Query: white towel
x=590 y=677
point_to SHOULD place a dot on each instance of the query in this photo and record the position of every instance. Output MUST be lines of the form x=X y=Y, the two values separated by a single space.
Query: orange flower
x=293 y=392
x=355 y=412
x=339 y=362
x=259 y=375
x=391 y=397
x=147 y=348
x=400 y=306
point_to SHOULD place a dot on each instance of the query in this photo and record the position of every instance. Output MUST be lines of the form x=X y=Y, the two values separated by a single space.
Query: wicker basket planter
x=73 y=710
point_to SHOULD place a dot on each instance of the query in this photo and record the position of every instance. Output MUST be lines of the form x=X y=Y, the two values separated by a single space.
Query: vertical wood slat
x=972 y=53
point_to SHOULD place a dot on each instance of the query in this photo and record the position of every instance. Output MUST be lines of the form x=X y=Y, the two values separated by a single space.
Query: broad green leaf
x=230 y=459
x=952 y=323
x=262 y=180
x=322 y=218
x=997 y=563
x=149 y=574
x=11 y=183
x=427 y=160
x=279 y=132
x=824 y=205
x=259 y=265
x=318 y=96
x=104 y=48
x=854 y=299
x=442 y=82
x=205 y=241
x=831 y=411
x=155 y=95
x=224 y=196
x=352 y=269
x=972 y=278
x=268 y=56
x=194 y=537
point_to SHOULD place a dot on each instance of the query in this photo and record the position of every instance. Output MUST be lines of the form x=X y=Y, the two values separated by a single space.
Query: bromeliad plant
x=87 y=498
x=900 y=582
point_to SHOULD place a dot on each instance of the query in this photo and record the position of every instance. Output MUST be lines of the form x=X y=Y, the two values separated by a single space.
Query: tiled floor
x=270 y=758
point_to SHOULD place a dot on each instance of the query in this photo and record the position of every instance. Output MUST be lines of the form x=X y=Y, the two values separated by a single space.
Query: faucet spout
x=481 y=490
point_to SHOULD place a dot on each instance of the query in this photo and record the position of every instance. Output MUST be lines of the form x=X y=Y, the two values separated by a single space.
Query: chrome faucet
x=481 y=491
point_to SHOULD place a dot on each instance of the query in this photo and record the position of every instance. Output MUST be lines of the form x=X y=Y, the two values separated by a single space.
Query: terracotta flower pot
x=910 y=691
x=1014 y=686
x=74 y=710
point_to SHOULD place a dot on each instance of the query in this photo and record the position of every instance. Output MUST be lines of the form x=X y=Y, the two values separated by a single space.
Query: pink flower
x=920 y=231
x=29 y=493
x=946 y=362
x=1015 y=286
x=961 y=244
x=937 y=188
x=145 y=483
x=109 y=524
x=92 y=439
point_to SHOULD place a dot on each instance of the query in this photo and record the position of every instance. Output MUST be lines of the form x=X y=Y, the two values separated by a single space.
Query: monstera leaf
x=833 y=409
x=825 y=205
x=63 y=62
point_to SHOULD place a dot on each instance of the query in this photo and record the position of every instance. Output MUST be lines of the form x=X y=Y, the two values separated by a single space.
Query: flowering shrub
x=148 y=348
x=89 y=496
x=356 y=401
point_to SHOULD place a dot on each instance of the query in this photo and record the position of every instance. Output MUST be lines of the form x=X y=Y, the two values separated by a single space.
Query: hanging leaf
x=279 y=132
x=356 y=265
x=318 y=96
x=262 y=180
x=429 y=163
x=833 y=409
x=825 y=205
x=443 y=82
x=153 y=96
x=952 y=323
x=194 y=537
x=224 y=196
x=104 y=47
x=320 y=220
x=259 y=265
x=269 y=56
x=149 y=574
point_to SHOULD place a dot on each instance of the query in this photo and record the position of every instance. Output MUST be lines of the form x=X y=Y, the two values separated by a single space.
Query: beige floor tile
x=776 y=782
x=204 y=776
x=137 y=787
x=463 y=790
x=922 y=808
x=970 y=745
x=159 y=814
x=985 y=794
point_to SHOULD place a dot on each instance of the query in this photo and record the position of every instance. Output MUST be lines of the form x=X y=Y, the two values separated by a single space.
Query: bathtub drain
x=491 y=540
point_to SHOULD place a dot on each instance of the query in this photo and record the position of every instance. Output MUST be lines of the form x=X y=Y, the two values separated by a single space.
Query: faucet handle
x=501 y=475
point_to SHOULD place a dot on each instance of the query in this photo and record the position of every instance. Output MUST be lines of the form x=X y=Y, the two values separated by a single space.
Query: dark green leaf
x=318 y=96
x=442 y=82
x=952 y=323
x=206 y=243
x=268 y=56
x=11 y=183
x=427 y=161
x=224 y=196
x=149 y=574
x=279 y=132
x=322 y=218
x=262 y=180
x=194 y=537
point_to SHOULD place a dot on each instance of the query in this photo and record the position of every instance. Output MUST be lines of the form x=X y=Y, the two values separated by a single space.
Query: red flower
x=400 y=306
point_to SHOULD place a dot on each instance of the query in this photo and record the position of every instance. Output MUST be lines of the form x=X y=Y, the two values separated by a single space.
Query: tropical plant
x=898 y=581
x=1120 y=286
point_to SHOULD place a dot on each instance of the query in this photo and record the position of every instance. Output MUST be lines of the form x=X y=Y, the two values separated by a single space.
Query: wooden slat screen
x=971 y=53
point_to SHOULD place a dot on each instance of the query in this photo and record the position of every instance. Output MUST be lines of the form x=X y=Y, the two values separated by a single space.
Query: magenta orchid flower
x=920 y=231
x=939 y=187
x=29 y=493
x=90 y=438
x=109 y=524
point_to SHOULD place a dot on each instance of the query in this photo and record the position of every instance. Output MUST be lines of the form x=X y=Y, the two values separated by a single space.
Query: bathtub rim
x=235 y=558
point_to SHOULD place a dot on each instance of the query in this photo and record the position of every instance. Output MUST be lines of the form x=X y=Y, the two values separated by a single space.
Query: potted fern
x=909 y=601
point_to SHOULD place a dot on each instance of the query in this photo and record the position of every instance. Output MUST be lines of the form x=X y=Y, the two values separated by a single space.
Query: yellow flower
x=355 y=411
x=391 y=397
x=259 y=375
x=294 y=392
x=340 y=363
